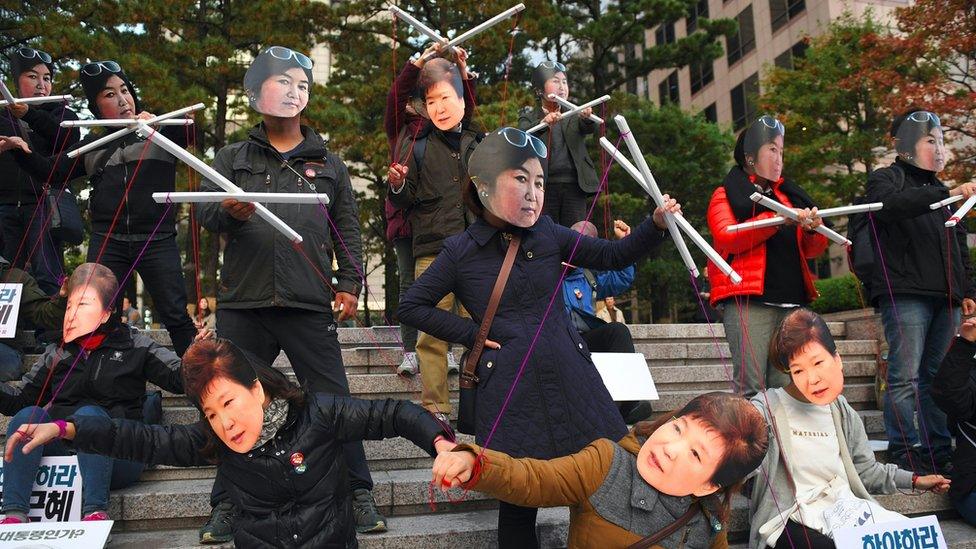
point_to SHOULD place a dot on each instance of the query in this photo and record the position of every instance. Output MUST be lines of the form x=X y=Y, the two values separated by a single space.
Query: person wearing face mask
x=772 y=261
x=403 y=118
x=99 y=369
x=571 y=175
x=140 y=222
x=677 y=473
x=40 y=126
x=429 y=182
x=819 y=462
x=923 y=263
x=279 y=447
x=273 y=297
x=561 y=405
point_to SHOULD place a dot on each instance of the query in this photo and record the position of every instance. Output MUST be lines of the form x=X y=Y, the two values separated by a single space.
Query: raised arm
x=601 y=254
x=356 y=419
x=901 y=201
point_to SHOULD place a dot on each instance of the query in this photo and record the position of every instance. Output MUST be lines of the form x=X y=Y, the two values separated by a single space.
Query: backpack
x=861 y=253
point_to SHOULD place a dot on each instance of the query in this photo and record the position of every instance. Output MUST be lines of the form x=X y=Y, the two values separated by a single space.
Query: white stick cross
x=9 y=99
x=571 y=112
x=828 y=212
x=213 y=175
x=788 y=212
x=123 y=122
x=676 y=223
x=571 y=106
x=960 y=213
x=270 y=198
x=435 y=36
x=131 y=128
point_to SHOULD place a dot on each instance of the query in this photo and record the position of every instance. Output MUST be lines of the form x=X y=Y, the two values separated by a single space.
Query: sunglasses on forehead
x=96 y=67
x=772 y=123
x=520 y=139
x=553 y=65
x=31 y=53
x=924 y=116
x=285 y=54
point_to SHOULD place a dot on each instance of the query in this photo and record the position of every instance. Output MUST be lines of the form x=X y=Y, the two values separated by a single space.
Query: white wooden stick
x=827 y=212
x=213 y=175
x=946 y=202
x=571 y=112
x=682 y=223
x=413 y=22
x=8 y=97
x=569 y=105
x=37 y=100
x=961 y=212
x=270 y=198
x=123 y=122
x=486 y=25
x=126 y=131
x=788 y=212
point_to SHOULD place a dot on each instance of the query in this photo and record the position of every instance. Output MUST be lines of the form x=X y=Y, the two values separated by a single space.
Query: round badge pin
x=300 y=469
x=309 y=172
x=297 y=459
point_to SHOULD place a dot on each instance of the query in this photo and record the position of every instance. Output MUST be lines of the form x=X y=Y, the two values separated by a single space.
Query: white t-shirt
x=818 y=471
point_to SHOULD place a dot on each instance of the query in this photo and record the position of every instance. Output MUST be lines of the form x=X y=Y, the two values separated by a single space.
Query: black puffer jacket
x=914 y=238
x=112 y=376
x=279 y=506
x=41 y=128
x=261 y=266
x=954 y=391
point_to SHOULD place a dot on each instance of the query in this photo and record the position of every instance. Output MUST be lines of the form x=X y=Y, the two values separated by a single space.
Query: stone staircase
x=167 y=506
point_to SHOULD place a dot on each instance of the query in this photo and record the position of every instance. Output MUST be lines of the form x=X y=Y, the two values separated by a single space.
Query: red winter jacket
x=747 y=249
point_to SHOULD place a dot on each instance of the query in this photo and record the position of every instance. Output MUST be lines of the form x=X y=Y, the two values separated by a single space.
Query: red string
x=193 y=185
x=508 y=66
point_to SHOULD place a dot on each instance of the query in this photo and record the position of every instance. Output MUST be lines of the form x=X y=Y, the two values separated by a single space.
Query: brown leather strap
x=666 y=532
x=468 y=379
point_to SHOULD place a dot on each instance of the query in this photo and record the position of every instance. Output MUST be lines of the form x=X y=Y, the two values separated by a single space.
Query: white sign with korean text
x=626 y=376
x=914 y=533
x=62 y=535
x=56 y=495
x=9 y=309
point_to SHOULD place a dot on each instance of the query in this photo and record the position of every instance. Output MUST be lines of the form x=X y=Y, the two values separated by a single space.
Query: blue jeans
x=11 y=363
x=47 y=263
x=919 y=331
x=99 y=473
x=967 y=508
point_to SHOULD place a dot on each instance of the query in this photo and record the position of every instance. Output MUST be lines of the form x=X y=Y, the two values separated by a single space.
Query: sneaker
x=96 y=515
x=14 y=517
x=220 y=527
x=452 y=364
x=409 y=366
x=368 y=519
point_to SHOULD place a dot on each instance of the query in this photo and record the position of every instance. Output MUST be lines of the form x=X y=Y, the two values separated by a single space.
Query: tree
x=834 y=119
x=592 y=38
x=931 y=64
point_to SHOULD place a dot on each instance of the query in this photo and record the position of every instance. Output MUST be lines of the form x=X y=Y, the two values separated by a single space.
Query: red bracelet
x=62 y=427
x=914 y=480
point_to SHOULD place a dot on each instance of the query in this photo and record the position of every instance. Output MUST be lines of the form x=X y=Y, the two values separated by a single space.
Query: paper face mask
x=278 y=82
x=508 y=171
x=441 y=90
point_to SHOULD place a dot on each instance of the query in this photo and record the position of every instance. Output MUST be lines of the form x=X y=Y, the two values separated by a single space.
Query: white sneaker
x=452 y=364
x=409 y=366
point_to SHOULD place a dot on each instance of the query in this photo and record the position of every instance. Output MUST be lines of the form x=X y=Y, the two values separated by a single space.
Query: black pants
x=565 y=203
x=798 y=536
x=161 y=269
x=516 y=526
x=311 y=341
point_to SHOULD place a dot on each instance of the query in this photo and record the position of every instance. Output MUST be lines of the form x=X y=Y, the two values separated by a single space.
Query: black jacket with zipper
x=280 y=505
x=918 y=251
x=110 y=169
x=41 y=128
x=575 y=129
x=112 y=376
x=261 y=266
x=434 y=193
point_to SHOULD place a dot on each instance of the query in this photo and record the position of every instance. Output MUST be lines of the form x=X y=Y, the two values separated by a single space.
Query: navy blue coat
x=560 y=405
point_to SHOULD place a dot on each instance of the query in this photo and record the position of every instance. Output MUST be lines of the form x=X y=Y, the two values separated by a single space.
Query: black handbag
x=65 y=224
x=469 y=381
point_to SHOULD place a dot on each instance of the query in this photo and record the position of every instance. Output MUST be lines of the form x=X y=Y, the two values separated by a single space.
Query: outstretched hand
x=32 y=435
x=452 y=469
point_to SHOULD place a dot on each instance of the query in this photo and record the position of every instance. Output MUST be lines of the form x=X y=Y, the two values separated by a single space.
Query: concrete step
x=477 y=528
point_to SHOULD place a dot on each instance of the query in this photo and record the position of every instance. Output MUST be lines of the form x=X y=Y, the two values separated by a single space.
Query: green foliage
x=841 y=293
x=833 y=120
